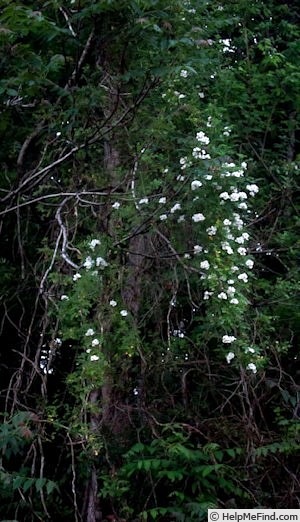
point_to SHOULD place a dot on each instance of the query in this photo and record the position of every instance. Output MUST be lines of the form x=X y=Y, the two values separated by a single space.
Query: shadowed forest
x=149 y=258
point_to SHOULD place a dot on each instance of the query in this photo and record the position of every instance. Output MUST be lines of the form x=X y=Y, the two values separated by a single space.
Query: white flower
x=240 y=240
x=116 y=205
x=234 y=269
x=183 y=73
x=226 y=133
x=253 y=189
x=243 y=277
x=94 y=243
x=229 y=357
x=196 y=184
x=227 y=222
x=211 y=231
x=64 y=298
x=244 y=165
x=162 y=201
x=88 y=263
x=201 y=94
x=180 y=219
x=204 y=265
x=181 y=96
x=180 y=178
x=230 y=282
x=222 y=295
x=187 y=256
x=249 y=350
x=252 y=366
x=226 y=247
x=249 y=263
x=94 y=358
x=234 y=300
x=209 y=121
x=230 y=291
x=101 y=262
x=245 y=236
x=208 y=177
x=58 y=341
x=89 y=332
x=163 y=217
x=236 y=196
x=124 y=313
x=200 y=136
x=177 y=206
x=197 y=249
x=95 y=342
x=224 y=195
x=113 y=303
x=242 y=251
x=143 y=201
x=236 y=174
x=183 y=161
x=207 y=295
x=88 y=350
x=200 y=153
x=198 y=217
x=228 y=339
x=76 y=276
x=243 y=206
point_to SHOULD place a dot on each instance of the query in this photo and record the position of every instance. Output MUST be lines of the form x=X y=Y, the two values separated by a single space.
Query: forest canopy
x=149 y=218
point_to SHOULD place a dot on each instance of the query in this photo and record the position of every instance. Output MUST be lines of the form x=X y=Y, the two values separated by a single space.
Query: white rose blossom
x=88 y=263
x=252 y=188
x=231 y=291
x=89 y=332
x=202 y=138
x=252 y=367
x=144 y=201
x=95 y=342
x=196 y=184
x=100 y=262
x=229 y=357
x=204 y=265
x=249 y=264
x=177 y=206
x=198 y=249
x=228 y=339
x=94 y=243
x=249 y=349
x=94 y=358
x=211 y=231
x=198 y=217
x=243 y=277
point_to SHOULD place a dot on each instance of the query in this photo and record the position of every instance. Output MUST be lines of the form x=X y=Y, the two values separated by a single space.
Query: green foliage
x=190 y=477
x=150 y=298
